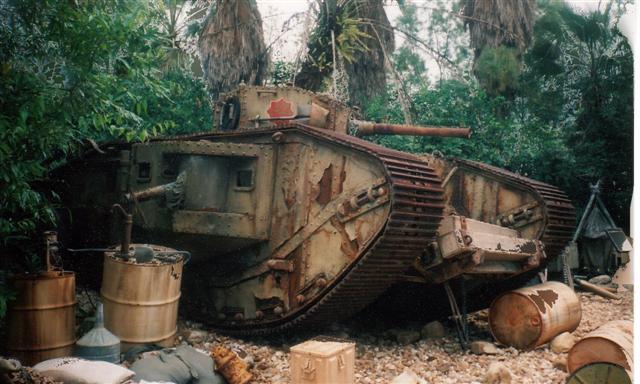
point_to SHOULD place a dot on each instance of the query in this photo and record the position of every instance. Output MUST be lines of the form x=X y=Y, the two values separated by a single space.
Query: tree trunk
x=366 y=68
x=493 y=23
x=366 y=71
x=231 y=46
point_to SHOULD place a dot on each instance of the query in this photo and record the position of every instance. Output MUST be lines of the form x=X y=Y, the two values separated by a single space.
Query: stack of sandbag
x=182 y=365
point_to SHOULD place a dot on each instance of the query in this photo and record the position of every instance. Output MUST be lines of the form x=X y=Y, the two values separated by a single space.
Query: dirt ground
x=380 y=358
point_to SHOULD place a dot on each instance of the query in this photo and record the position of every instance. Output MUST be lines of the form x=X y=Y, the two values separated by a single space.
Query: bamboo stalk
x=596 y=289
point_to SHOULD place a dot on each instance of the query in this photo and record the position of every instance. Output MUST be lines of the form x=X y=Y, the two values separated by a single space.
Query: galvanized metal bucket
x=99 y=343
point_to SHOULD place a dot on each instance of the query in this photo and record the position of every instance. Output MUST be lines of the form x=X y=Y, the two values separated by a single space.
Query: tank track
x=560 y=213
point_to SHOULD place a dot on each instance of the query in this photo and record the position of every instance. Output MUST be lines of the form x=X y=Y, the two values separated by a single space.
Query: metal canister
x=141 y=299
x=531 y=316
x=42 y=321
x=99 y=343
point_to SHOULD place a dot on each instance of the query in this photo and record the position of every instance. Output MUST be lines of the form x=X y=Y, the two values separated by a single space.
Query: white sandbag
x=71 y=370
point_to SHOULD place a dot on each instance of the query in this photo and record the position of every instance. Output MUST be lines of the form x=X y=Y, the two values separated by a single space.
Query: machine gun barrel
x=368 y=128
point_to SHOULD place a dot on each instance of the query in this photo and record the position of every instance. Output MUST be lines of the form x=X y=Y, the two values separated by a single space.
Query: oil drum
x=141 y=298
x=611 y=343
x=531 y=316
x=41 y=321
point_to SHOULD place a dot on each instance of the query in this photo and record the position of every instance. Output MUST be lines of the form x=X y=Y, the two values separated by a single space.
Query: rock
x=9 y=365
x=563 y=342
x=195 y=336
x=600 y=280
x=450 y=348
x=433 y=330
x=407 y=337
x=497 y=373
x=444 y=367
x=560 y=363
x=484 y=348
x=408 y=377
x=246 y=357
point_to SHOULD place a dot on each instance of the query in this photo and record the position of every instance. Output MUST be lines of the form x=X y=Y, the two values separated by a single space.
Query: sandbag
x=71 y=370
x=183 y=365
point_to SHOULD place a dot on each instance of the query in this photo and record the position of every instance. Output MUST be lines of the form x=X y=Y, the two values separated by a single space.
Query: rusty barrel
x=141 y=299
x=531 y=316
x=610 y=343
x=42 y=321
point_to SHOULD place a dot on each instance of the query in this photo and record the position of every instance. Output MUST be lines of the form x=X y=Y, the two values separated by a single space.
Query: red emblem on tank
x=282 y=109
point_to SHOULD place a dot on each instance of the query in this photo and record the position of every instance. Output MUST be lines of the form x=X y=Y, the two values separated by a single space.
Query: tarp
x=596 y=224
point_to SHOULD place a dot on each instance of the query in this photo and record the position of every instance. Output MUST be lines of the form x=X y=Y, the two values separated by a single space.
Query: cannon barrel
x=173 y=190
x=368 y=128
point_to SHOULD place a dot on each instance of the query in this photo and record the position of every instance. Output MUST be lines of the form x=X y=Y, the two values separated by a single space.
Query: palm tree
x=495 y=23
x=366 y=70
x=362 y=35
x=231 y=45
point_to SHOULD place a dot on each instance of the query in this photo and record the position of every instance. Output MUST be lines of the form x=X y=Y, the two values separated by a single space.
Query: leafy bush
x=74 y=71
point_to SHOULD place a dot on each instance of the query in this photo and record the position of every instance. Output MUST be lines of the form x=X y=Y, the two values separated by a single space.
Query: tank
x=293 y=219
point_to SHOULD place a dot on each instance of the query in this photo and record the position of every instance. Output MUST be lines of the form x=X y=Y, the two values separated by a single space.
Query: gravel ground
x=380 y=358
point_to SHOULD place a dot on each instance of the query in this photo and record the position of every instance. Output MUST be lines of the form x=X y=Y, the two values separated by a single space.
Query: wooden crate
x=323 y=362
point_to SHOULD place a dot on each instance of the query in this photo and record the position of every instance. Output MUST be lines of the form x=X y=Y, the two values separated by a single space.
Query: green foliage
x=580 y=76
x=282 y=72
x=564 y=116
x=73 y=71
x=500 y=140
x=6 y=295
x=498 y=70
x=408 y=62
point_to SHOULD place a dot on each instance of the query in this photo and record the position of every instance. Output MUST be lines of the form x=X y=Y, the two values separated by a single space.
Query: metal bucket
x=99 y=344
x=141 y=299
x=531 y=316
x=42 y=321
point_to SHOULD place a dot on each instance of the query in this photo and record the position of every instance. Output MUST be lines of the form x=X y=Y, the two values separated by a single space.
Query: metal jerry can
x=321 y=362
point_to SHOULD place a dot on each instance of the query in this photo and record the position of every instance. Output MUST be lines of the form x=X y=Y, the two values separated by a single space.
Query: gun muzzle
x=367 y=128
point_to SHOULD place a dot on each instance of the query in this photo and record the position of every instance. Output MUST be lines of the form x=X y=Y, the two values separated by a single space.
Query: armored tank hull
x=291 y=224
